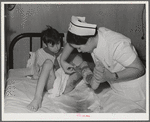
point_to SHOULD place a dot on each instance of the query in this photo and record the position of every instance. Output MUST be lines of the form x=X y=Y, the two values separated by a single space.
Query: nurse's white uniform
x=114 y=51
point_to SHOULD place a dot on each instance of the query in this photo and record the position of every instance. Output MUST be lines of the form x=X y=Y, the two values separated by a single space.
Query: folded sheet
x=59 y=83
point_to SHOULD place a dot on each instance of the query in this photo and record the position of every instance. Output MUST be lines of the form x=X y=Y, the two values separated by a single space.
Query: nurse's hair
x=51 y=35
x=78 y=40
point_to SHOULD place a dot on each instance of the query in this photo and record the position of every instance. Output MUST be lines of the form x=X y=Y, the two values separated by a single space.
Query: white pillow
x=34 y=69
x=31 y=60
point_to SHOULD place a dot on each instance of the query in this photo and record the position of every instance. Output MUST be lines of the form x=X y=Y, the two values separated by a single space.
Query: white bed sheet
x=20 y=92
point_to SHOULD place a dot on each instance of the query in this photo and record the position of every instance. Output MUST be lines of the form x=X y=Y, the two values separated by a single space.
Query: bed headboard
x=18 y=38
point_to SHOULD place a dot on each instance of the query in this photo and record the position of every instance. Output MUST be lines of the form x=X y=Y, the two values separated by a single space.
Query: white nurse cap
x=79 y=27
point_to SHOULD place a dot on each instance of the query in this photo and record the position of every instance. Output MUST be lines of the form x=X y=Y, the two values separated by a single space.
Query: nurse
x=116 y=60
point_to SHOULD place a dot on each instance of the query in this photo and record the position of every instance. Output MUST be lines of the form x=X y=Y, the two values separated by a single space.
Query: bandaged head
x=78 y=26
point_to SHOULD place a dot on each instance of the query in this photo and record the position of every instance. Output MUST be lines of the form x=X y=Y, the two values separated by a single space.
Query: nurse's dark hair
x=78 y=40
x=51 y=35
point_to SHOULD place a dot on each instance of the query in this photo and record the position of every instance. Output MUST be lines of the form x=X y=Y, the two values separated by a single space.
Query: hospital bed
x=19 y=90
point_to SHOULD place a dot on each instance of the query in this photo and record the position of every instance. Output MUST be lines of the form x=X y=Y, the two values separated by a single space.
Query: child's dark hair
x=51 y=35
x=78 y=40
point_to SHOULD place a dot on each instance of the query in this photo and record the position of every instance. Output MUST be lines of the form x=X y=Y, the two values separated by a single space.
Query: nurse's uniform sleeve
x=124 y=53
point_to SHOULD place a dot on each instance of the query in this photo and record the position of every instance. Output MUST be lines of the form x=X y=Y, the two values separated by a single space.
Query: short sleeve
x=125 y=53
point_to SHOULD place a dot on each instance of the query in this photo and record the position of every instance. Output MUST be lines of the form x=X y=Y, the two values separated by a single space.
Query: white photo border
x=74 y=116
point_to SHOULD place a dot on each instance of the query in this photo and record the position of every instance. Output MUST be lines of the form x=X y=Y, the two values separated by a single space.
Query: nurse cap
x=79 y=27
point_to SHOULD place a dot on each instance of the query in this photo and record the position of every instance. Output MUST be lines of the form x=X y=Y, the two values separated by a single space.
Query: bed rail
x=18 y=38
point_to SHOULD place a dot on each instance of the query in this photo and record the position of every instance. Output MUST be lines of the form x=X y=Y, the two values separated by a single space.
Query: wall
x=124 y=18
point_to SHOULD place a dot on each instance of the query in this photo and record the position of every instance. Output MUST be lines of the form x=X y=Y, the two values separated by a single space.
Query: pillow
x=34 y=69
x=31 y=60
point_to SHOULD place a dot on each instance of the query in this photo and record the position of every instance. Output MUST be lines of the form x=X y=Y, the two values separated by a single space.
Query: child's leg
x=42 y=82
x=50 y=80
x=75 y=78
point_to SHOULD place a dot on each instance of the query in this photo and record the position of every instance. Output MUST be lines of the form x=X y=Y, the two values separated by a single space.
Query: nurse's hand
x=68 y=68
x=99 y=73
x=102 y=74
x=98 y=76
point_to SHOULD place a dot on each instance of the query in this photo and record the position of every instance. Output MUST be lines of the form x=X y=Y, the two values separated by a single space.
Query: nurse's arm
x=65 y=54
x=135 y=70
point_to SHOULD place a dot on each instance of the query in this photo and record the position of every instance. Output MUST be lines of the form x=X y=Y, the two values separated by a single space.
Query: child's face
x=54 y=48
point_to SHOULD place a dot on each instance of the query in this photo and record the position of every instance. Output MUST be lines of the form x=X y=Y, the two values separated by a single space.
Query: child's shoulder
x=40 y=51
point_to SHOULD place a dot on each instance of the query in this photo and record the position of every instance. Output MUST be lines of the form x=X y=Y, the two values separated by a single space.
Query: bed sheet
x=20 y=91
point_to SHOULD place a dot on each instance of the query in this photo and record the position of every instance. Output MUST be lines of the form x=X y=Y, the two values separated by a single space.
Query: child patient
x=47 y=62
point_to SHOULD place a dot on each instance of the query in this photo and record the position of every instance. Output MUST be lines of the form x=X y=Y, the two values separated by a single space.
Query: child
x=47 y=63
x=116 y=60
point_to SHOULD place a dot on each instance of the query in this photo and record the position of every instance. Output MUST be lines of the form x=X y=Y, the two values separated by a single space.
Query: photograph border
x=73 y=116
